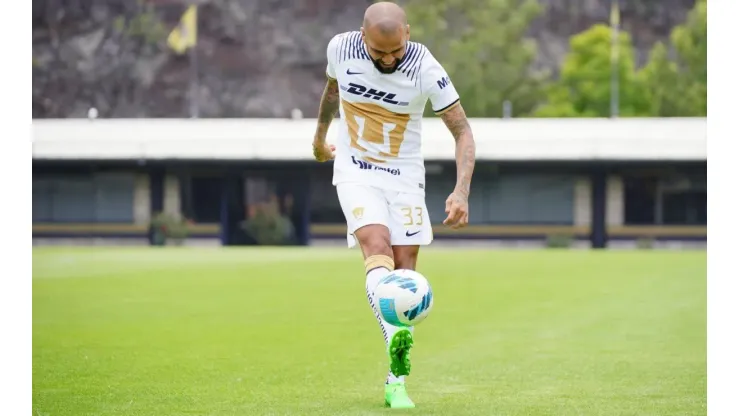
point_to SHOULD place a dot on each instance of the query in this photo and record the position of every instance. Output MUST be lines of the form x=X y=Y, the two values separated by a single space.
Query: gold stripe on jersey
x=374 y=118
x=448 y=108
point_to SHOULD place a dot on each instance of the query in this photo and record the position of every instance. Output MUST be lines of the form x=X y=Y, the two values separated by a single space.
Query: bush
x=268 y=226
x=559 y=241
x=645 y=243
x=168 y=227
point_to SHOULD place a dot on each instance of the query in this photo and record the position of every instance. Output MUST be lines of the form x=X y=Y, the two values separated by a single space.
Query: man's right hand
x=323 y=151
x=328 y=107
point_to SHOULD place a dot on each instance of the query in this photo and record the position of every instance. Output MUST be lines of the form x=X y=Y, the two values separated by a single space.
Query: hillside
x=256 y=58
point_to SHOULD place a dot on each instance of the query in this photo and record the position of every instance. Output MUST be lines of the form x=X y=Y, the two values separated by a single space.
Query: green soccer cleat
x=396 y=396
x=399 y=351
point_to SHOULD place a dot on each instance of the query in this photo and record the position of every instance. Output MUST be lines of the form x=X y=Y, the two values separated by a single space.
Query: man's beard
x=384 y=69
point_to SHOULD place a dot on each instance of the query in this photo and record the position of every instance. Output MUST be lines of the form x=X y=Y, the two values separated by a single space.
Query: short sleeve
x=436 y=85
x=331 y=57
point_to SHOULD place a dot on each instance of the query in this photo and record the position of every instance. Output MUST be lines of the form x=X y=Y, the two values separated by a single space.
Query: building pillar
x=614 y=201
x=156 y=197
x=156 y=191
x=232 y=209
x=598 y=209
x=582 y=202
x=142 y=199
x=172 y=195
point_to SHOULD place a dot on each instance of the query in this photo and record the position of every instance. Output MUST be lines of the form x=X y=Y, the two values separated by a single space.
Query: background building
x=536 y=179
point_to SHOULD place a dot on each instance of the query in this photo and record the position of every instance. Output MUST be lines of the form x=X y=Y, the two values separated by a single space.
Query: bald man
x=380 y=83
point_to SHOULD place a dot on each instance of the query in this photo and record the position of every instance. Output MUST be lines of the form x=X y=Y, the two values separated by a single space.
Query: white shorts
x=404 y=214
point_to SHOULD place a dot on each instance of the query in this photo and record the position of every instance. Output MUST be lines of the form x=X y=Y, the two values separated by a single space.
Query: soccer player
x=380 y=83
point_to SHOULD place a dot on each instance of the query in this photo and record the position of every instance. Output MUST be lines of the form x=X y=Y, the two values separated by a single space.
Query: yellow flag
x=185 y=34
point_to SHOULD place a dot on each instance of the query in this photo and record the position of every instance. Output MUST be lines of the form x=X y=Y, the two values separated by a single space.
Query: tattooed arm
x=457 y=123
x=457 y=203
x=327 y=110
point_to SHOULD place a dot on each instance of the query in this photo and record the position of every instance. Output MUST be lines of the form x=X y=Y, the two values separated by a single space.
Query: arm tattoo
x=457 y=123
x=327 y=108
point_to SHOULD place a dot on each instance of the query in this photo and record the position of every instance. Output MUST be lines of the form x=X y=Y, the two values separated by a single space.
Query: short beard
x=386 y=70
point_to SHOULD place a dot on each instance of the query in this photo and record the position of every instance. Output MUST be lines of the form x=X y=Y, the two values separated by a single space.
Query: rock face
x=256 y=58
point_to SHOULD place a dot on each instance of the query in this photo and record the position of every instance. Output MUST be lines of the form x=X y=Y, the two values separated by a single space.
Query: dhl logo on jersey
x=376 y=95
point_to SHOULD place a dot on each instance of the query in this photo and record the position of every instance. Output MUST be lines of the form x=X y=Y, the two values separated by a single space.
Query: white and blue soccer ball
x=404 y=298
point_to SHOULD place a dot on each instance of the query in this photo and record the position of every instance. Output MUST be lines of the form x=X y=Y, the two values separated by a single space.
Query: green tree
x=584 y=87
x=482 y=45
x=690 y=40
x=678 y=87
x=660 y=81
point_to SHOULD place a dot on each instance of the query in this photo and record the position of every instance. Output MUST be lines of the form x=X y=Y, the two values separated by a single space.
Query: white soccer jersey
x=379 y=141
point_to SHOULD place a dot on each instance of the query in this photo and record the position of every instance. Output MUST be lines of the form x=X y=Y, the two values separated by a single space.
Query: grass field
x=197 y=331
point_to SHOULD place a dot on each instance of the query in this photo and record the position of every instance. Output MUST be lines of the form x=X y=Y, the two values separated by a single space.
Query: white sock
x=377 y=268
x=372 y=279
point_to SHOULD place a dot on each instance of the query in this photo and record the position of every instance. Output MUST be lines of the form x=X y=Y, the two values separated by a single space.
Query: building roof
x=525 y=139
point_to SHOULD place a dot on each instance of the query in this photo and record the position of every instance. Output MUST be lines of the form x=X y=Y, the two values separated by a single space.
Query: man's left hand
x=456 y=208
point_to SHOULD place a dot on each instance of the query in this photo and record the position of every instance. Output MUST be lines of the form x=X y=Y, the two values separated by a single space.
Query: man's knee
x=374 y=239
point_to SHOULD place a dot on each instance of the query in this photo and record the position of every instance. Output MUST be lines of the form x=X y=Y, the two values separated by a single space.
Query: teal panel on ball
x=388 y=311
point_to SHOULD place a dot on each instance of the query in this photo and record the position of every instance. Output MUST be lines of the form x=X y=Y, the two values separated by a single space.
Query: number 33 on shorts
x=413 y=216
x=415 y=227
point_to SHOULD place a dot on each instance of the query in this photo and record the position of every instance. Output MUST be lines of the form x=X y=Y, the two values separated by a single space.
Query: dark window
x=205 y=199
x=639 y=200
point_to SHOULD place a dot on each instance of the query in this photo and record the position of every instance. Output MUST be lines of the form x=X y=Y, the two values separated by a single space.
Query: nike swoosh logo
x=349 y=72
x=412 y=234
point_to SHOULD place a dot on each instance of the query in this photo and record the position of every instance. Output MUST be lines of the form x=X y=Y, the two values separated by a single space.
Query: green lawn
x=192 y=331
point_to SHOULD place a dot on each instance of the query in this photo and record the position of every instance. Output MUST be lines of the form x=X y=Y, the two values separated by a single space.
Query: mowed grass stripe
x=227 y=332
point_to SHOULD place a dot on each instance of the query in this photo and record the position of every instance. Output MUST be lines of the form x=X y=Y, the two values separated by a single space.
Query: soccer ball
x=404 y=298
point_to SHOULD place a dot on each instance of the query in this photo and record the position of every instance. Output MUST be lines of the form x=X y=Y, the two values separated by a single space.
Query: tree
x=659 y=80
x=482 y=45
x=584 y=87
x=678 y=87
x=690 y=40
